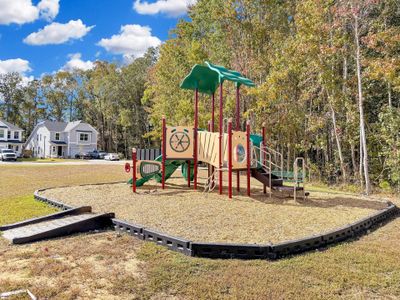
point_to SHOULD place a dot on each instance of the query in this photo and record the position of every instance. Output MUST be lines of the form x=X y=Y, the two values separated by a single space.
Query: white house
x=10 y=137
x=61 y=139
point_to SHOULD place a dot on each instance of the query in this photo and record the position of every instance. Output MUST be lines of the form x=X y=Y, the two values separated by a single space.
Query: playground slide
x=170 y=168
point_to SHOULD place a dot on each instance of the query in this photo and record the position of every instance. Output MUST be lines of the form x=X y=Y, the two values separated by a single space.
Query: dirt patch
x=198 y=216
x=86 y=266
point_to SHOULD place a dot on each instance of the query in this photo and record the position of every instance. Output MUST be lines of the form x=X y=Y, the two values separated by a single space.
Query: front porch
x=15 y=145
x=58 y=149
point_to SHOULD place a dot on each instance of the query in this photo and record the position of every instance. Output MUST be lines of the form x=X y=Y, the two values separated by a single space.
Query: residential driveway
x=66 y=163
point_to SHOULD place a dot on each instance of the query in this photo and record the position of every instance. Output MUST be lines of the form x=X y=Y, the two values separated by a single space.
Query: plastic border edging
x=246 y=251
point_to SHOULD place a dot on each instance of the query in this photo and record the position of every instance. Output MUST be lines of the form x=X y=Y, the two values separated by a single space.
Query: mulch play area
x=209 y=217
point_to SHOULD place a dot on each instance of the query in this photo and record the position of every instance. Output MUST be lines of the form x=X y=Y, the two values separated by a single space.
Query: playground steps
x=276 y=184
x=263 y=177
x=55 y=225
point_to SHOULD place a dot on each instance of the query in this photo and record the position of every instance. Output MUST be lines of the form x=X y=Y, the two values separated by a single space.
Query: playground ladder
x=212 y=180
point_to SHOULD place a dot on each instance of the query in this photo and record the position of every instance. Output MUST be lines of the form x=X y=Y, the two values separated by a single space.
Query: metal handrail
x=279 y=167
x=262 y=161
x=273 y=150
x=259 y=160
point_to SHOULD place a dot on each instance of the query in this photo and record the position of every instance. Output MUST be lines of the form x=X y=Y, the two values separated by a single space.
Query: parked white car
x=7 y=154
x=111 y=156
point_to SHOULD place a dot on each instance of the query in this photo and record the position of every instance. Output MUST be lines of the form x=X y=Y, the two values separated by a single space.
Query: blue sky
x=44 y=36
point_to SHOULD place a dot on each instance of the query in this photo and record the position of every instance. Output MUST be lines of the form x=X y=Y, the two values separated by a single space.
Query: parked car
x=111 y=156
x=7 y=154
x=97 y=154
x=83 y=155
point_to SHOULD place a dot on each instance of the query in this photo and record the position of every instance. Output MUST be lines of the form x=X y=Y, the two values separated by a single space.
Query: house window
x=37 y=137
x=8 y=134
x=16 y=135
x=16 y=148
x=1 y=133
x=57 y=136
x=54 y=149
x=84 y=137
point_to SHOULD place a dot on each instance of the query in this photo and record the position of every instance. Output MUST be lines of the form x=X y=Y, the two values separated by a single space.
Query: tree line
x=108 y=97
x=327 y=75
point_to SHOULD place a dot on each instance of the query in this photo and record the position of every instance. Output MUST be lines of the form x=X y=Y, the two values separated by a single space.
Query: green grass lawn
x=20 y=208
x=108 y=266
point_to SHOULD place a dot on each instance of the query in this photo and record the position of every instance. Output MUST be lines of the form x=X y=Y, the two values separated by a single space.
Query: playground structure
x=228 y=150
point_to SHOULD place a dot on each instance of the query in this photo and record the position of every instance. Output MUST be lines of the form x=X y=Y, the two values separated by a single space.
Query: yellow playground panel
x=208 y=150
x=179 y=142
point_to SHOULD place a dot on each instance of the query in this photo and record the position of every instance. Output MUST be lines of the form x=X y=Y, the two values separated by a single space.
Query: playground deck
x=198 y=216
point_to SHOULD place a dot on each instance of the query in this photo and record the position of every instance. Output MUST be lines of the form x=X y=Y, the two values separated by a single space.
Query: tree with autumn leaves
x=326 y=72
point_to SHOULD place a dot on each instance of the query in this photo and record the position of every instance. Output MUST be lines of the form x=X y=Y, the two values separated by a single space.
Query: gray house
x=61 y=139
x=10 y=137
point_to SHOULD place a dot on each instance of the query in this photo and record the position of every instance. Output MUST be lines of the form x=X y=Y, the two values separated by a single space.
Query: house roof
x=6 y=124
x=14 y=142
x=62 y=126
x=54 y=125
x=71 y=125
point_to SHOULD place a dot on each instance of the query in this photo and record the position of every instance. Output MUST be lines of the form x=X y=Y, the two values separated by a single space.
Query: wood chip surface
x=209 y=217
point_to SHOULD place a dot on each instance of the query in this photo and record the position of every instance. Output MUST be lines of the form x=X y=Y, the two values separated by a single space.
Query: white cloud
x=133 y=40
x=14 y=65
x=172 y=8
x=18 y=65
x=49 y=9
x=57 y=33
x=76 y=63
x=23 y=11
x=26 y=80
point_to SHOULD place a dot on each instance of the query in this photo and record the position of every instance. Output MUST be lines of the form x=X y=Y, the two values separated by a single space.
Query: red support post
x=221 y=125
x=196 y=125
x=164 y=151
x=248 y=156
x=238 y=129
x=263 y=133
x=237 y=107
x=263 y=148
x=213 y=113
x=209 y=166
x=134 y=160
x=212 y=128
x=230 y=158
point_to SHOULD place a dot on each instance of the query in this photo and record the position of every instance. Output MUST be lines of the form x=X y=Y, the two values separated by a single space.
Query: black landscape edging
x=248 y=251
x=54 y=203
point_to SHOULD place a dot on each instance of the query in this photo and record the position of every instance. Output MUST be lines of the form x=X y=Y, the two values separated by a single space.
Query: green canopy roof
x=207 y=78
